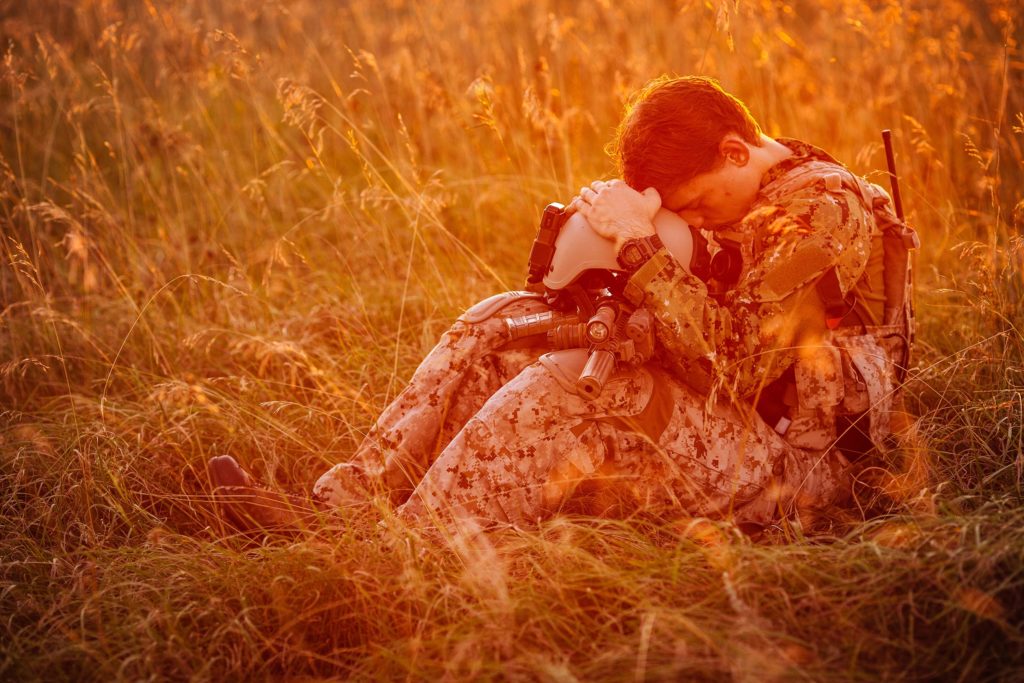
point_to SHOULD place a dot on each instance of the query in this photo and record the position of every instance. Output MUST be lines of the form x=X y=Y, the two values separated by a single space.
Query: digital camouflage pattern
x=527 y=441
x=805 y=220
x=450 y=385
x=489 y=434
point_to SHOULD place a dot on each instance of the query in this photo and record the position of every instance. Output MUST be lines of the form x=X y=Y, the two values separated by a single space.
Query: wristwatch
x=638 y=251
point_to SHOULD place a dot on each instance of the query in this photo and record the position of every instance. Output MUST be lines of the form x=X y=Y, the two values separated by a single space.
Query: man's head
x=692 y=142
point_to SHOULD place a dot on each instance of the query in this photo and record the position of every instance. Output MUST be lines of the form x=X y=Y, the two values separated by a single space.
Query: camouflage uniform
x=493 y=434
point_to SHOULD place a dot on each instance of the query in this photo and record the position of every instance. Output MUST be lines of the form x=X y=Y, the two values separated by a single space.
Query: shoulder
x=808 y=168
x=804 y=176
x=825 y=200
x=806 y=221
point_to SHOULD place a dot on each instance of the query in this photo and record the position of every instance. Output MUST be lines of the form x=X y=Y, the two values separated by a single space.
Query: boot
x=247 y=506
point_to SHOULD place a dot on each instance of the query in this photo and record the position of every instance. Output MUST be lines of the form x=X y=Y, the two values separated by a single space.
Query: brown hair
x=671 y=130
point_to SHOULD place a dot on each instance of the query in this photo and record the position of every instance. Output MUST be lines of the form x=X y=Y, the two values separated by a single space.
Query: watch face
x=631 y=254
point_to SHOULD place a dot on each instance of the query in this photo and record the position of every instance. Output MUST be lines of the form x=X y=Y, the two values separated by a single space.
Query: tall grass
x=237 y=227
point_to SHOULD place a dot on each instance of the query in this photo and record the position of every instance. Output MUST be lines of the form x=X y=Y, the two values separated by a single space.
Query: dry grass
x=237 y=229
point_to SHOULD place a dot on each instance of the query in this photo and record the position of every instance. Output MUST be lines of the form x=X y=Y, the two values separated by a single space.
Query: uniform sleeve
x=752 y=336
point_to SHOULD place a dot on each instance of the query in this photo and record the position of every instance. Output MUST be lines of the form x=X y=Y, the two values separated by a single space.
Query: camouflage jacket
x=811 y=215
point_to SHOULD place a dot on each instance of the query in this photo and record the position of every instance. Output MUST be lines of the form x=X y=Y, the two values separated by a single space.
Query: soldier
x=758 y=397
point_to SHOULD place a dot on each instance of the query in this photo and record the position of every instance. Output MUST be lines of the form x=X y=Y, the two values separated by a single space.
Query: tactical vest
x=842 y=394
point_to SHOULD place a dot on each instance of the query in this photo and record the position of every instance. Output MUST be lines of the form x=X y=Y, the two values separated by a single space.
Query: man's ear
x=734 y=149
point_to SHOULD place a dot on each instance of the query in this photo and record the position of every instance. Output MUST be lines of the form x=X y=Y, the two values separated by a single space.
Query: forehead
x=684 y=194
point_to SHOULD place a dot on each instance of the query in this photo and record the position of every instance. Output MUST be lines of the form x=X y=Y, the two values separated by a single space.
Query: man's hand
x=617 y=211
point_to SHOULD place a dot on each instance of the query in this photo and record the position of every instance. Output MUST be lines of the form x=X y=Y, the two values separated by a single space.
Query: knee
x=505 y=304
x=485 y=320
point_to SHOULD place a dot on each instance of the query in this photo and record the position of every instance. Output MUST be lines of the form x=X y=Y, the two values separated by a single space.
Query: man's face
x=718 y=198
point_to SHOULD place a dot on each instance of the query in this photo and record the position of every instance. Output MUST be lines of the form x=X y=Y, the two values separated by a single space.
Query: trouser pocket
x=819 y=390
x=867 y=379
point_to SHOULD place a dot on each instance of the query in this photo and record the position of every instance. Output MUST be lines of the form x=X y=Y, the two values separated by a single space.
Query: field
x=237 y=227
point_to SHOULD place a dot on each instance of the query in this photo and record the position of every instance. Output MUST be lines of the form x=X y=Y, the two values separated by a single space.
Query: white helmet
x=579 y=249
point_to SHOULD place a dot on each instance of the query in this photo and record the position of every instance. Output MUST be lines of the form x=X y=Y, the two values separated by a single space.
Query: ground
x=237 y=229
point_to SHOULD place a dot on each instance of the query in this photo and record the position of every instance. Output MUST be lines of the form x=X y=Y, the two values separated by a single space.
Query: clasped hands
x=616 y=211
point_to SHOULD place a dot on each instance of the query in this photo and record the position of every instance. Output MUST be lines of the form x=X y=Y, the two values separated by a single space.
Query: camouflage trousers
x=489 y=434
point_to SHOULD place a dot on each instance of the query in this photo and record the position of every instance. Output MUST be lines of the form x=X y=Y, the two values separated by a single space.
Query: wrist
x=637 y=251
x=632 y=232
